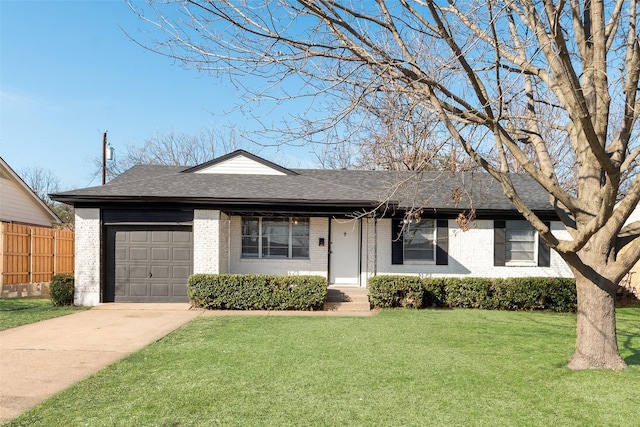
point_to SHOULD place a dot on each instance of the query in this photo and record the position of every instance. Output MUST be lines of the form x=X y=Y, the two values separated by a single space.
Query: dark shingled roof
x=448 y=191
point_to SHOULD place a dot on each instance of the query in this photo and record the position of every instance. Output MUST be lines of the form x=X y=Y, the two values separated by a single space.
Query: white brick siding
x=315 y=265
x=217 y=248
x=206 y=241
x=470 y=254
x=87 y=256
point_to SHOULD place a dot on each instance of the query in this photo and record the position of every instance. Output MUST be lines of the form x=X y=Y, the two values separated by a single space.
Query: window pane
x=419 y=241
x=520 y=244
x=300 y=237
x=275 y=237
x=300 y=252
x=250 y=247
x=250 y=230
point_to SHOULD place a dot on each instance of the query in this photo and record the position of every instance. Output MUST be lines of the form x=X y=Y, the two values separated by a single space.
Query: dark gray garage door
x=148 y=263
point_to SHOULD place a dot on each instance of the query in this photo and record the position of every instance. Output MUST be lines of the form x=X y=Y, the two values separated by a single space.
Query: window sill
x=419 y=262
x=521 y=264
x=273 y=259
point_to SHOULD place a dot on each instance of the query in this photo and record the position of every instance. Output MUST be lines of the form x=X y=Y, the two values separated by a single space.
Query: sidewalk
x=40 y=359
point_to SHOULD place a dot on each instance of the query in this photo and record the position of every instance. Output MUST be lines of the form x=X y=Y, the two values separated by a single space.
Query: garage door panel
x=160 y=290
x=182 y=238
x=121 y=288
x=121 y=254
x=179 y=290
x=161 y=236
x=137 y=289
x=138 y=236
x=161 y=272
x=181 y=254
x=121 y=272
x=181 y=272
x=151 y=265
x=138 y=272
x=138 y=254
x=160 y=254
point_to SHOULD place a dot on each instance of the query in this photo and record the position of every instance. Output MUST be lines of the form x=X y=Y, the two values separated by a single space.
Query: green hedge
x=523 y=293
x=257 y=292
x=61 y=289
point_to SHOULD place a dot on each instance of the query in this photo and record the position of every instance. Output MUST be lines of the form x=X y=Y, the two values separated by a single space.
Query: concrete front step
x=346 y=306
x=347 y=299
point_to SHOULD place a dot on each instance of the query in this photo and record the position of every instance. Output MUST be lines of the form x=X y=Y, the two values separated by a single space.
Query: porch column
x=87 y=257
x=208 y=241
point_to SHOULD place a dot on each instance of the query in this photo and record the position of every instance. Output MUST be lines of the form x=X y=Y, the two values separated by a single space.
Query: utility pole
x=104 y=158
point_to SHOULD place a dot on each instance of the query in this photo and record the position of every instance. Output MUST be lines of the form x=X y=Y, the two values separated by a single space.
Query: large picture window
x=419 y=241
x=275 y=237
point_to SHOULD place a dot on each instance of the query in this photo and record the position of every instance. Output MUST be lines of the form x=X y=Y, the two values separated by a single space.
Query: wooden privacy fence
x=33 y=254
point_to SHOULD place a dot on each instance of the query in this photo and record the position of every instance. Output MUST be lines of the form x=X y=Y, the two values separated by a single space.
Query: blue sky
x=68 y=72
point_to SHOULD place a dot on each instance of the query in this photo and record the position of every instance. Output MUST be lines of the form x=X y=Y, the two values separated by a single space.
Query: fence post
x=1 y=256
x=30 y=255
x=55 y=250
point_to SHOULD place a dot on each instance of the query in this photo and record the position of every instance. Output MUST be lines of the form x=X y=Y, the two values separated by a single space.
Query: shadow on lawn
x=634 y=359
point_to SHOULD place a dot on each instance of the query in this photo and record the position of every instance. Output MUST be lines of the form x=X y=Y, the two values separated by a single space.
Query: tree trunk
x=596 y=343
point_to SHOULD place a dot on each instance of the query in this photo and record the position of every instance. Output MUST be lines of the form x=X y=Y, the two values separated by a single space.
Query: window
x=275 y=237
x=520 y=240
x=427 y=240
x=419 y=241
x=517 y=243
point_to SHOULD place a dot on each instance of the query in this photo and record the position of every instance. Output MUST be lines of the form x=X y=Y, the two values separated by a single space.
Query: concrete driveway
x=41 y=359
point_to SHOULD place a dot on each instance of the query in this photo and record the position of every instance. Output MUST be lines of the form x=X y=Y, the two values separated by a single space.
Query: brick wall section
x=206 y=241
x=315 y=265
x=87 y=256
x=470 y=254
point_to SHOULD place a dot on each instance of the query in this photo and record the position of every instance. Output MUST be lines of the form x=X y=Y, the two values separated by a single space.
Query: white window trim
x=533 y=262
x=432 y=261
x=290 y=241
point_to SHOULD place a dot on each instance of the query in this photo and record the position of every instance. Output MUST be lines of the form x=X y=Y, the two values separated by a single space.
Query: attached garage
x=147 y=262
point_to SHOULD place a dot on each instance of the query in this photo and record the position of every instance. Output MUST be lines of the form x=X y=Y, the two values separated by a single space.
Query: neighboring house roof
x=342 y=189
x=18 y=203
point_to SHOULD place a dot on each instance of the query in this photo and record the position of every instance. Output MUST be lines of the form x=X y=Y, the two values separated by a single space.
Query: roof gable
x=19 y=202
x=240 y=162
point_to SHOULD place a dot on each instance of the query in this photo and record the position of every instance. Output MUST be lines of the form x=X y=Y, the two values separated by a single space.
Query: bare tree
x=399 y=133
x=391 y=131
x=502 y=76
x=44 y=182
x=171 y=148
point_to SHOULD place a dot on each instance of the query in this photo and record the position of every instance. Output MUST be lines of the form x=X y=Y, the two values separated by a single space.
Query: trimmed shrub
x=560 y=294
x=257 y=292
x=435 y=292
x=523 y=293
x=472 y=292
x=396 y=291
x=61 y=289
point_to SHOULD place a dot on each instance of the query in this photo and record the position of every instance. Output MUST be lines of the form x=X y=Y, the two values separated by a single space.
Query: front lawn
x=16 y=312
x=399 y=368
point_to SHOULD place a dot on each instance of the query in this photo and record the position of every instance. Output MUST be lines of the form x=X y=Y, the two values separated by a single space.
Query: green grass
x=17 y=312
x=399 y=368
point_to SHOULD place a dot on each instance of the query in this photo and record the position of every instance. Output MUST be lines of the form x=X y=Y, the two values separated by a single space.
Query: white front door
x=344 y=258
